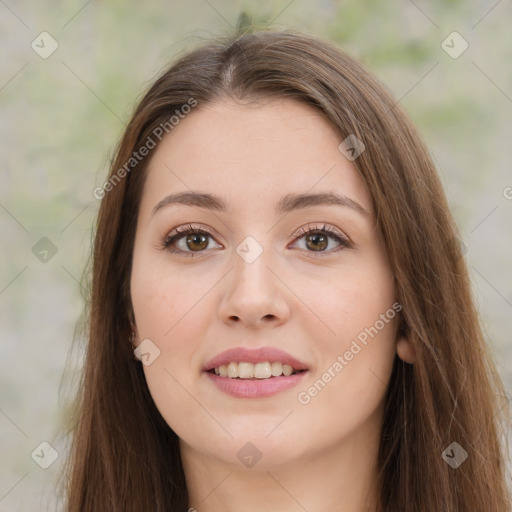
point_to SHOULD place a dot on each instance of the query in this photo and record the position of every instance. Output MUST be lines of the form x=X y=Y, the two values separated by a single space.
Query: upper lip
x=255 y=355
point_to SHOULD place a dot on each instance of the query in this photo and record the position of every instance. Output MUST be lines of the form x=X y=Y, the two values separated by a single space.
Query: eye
x=187 y=240
x=317 y=239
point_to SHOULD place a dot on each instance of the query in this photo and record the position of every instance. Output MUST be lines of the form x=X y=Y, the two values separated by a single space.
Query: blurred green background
x=62 y=115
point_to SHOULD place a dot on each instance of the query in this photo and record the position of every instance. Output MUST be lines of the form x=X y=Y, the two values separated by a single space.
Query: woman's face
x=253 y=180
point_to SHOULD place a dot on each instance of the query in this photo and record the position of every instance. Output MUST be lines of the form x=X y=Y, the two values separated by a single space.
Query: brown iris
x=197 y=238
x=319 y=240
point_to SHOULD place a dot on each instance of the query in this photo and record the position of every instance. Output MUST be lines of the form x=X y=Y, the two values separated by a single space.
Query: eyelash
x=178 y=233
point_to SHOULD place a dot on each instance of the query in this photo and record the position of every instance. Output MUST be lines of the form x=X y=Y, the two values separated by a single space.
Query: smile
x=245 y=370
x=254 y=372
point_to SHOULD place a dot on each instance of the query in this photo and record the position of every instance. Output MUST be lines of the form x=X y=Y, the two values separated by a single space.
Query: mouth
x=254 y=373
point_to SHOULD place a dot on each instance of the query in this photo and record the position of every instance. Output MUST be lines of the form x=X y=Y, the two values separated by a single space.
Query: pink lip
x=257 y=355
x=255 y=388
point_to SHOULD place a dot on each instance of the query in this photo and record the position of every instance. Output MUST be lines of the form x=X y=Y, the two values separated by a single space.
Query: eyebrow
x=286 y=204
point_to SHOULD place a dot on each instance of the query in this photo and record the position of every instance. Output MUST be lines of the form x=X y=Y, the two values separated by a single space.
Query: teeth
x=287 y=370
x=247 y=370
x=262 y=370
x=277 y=369
x=232 y=370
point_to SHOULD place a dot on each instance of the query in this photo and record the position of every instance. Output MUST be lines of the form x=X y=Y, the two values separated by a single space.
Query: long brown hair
x=123 y=454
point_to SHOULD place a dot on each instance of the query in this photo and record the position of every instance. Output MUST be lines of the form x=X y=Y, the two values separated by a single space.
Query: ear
x=405 y=350
x=135 y=336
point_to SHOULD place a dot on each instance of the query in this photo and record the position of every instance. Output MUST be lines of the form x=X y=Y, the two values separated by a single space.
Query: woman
x=281 y=317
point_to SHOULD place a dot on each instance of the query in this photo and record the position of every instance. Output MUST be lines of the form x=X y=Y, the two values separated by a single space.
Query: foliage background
x=62 y=116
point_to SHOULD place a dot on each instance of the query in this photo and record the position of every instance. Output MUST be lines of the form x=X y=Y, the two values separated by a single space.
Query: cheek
x=171 y=322
x=176 y=322
x=174 y=311
x=344 y=396
x=168 y=301
x=346 y=303
x=356 y=353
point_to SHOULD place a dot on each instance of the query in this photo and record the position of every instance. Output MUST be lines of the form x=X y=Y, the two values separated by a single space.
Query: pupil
x=318 y=238
x=199 y=239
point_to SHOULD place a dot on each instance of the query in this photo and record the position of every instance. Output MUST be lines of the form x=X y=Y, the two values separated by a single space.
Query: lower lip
x=255 y=388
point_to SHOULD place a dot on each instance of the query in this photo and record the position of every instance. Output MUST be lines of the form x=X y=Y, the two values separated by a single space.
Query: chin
x=256 y=449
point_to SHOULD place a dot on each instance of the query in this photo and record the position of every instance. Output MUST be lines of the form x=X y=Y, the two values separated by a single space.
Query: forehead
x=252 y=154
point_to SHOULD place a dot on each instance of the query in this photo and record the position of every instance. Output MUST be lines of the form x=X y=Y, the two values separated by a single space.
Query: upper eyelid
x=180 y=231
x=299 y=232
x=324 y=227
x=183 y=230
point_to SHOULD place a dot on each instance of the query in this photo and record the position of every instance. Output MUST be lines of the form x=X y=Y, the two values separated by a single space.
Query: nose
x=254 y=294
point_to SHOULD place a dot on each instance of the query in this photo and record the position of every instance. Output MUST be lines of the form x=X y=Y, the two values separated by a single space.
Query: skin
x=315 y=456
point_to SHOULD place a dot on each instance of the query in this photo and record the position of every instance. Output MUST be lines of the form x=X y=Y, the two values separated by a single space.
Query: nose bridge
x=251 y=274
x=253 y=292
